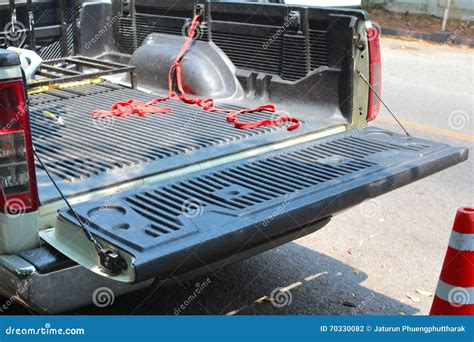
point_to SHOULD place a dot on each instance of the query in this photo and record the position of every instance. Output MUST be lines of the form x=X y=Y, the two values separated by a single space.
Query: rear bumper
x=57 y=291
x=70 y=287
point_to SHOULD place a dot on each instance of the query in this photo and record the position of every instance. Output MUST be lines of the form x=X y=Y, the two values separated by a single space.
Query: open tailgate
x=185 y=223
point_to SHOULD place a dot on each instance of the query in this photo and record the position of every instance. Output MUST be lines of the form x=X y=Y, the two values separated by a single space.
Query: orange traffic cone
x=455 y=291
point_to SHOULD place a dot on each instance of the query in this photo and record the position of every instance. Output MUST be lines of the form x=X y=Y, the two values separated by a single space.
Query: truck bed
x=86 y=155
x=199 y=191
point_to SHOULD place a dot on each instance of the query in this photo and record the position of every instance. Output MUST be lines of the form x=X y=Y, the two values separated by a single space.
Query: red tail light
x=375 y=73
x=19 y=192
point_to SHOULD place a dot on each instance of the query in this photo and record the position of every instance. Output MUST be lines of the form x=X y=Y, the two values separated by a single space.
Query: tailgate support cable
x=130 y=107
x=381 y=101
x=111 y=260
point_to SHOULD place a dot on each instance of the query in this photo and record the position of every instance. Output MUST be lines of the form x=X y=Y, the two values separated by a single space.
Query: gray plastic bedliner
x=84 y=155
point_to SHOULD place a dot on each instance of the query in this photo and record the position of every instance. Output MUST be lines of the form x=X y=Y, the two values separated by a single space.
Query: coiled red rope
x=132 y=107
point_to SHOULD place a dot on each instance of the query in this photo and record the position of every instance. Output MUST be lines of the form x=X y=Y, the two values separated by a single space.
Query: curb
x=439 y=37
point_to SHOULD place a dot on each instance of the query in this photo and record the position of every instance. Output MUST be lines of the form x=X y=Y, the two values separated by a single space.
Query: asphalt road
x=375 y=256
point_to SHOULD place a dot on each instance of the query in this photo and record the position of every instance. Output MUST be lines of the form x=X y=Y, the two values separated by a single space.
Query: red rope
x=131 y=107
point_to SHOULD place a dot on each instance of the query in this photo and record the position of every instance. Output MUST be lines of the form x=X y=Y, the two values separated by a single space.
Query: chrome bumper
x=57 y=291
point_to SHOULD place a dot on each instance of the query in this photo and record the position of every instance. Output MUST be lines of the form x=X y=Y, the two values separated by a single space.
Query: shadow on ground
x=312 y=284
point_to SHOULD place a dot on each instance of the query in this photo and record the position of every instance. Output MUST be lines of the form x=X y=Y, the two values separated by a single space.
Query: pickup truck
x=174 y=195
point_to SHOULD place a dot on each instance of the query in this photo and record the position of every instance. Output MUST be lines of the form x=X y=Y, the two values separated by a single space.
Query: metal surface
x=77 y=7
x=54 y=30
x=18 y=233
x=133 y=19
x=13 y=20
x=57 y=291
x=63 y=28
x=48 y=29
x=31 y=25
x=184 y=222
x=10 y=72
x=44 y=291
x=67 y=70
x=9 y=58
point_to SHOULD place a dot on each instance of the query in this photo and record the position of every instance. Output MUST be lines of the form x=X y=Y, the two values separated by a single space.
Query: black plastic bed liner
x=188 y=222
x=84 y=154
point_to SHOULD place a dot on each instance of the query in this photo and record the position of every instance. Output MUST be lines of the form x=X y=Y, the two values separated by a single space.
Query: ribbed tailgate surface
x=189 y=220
